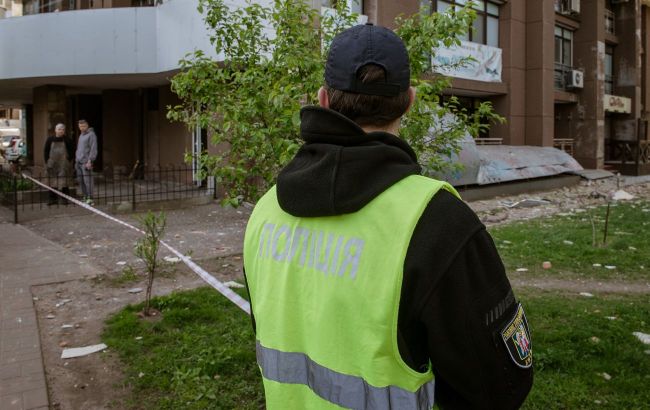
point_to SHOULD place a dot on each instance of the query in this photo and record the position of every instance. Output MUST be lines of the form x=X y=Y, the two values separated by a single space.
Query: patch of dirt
x=95 y=381
x=583 y=285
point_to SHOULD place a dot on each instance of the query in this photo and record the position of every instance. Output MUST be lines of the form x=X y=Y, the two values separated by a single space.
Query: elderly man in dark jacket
x=58 y=154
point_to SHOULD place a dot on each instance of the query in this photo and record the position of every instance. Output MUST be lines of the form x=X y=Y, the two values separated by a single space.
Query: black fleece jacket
x=455 y=296
x=69 y=147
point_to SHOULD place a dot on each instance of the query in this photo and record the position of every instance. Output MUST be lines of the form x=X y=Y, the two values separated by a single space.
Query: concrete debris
x=233 y=284
x=135 y=290
x=586 y=294
x=63 y=302
x=172 y=259
x=82 y=351
x=621 y=195
x=644 y=338
x=525 y=203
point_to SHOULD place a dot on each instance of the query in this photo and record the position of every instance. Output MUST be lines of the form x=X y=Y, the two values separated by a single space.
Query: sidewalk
x=27 y=259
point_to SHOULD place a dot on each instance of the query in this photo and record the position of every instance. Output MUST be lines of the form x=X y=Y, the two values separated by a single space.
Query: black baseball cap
x=368 y=44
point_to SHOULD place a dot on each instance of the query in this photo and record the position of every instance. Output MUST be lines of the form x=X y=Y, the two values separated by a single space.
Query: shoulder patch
x=516 y=337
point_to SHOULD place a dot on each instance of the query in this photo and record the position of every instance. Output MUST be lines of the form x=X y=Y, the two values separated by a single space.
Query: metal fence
x=121 y=190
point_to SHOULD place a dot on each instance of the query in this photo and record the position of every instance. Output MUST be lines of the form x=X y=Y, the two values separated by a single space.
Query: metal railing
x=122 y=190
x=561 y=75
x=610 y=21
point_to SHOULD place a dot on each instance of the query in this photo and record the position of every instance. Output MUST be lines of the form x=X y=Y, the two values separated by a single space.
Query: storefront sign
x=486 y=65
x=615 y=103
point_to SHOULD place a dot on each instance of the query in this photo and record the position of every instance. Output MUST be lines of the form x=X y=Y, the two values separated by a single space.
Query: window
x=485 y=29
x=563 y=55
x=609 y=70
x=356 y=6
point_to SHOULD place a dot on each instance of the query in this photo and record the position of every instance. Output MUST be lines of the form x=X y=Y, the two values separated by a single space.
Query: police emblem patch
x=516 y=337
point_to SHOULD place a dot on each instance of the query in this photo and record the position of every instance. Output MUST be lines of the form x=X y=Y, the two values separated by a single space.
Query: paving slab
x=27 y=259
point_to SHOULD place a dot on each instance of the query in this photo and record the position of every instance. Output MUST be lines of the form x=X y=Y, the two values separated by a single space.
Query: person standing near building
x=84 y=158
x=368 y=281
x=58 y=154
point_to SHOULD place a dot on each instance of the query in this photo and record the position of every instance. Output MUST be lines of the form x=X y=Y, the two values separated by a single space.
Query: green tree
x=250 y=104
x=146 y=248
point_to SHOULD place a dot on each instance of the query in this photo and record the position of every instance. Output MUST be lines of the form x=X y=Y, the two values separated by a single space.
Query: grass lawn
x=566 y=241
x=201 y=354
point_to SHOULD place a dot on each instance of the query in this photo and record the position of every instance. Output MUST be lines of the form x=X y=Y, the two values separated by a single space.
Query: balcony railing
x=561 y=74
x=610 y=19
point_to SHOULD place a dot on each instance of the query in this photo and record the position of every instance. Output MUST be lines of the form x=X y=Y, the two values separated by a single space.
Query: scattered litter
x=121 y=263
x=567 y=242
x=610 y=267
x=77 y=325
x=135 y=290
x=225 y=265
x=172 y=259
x=646 y=351
x=644 y=338
x=522 y=270
x=63 y=302
x=645 y=210
x=97 y=246
x=606 y=376
x=597 y=265
x=586 y=294
x=70 y=233
x=233 y=284
x=138 y=338
x=632 y=248
x=621 y=195
x=50 y=317
x=83 y=255
x=611 y=317
x=525 y=203
x=507 y=242
x=177 y=236
x=67 y=326
x=546 y=265
x=82 y=351
x=35 y=299
x=594 y=339
x=63 y=344
x=140 y=374
x=597 y=401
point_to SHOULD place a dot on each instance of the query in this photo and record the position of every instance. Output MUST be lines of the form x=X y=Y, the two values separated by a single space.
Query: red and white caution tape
x=242 y=303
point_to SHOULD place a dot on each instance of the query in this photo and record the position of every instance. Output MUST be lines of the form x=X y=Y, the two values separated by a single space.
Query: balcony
x=109 y=41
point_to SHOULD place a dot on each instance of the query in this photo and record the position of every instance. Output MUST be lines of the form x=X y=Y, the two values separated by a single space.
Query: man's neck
x=392 y=128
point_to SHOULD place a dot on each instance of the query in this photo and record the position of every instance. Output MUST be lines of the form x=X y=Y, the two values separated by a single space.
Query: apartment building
x=564 y=73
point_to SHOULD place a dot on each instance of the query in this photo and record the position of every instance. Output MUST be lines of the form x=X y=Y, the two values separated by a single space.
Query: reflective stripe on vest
x=338 y=388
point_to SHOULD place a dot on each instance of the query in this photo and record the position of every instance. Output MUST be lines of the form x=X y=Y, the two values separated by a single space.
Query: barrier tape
x=242 y=303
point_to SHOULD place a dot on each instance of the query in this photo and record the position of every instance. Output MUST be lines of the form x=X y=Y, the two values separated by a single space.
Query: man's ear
x=323 y=98
x=412 y=93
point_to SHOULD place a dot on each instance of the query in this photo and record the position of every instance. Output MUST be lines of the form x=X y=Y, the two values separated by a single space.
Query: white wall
x=102 y=41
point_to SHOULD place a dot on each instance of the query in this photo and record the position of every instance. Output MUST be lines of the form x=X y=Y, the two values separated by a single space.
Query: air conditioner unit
x=575 y=79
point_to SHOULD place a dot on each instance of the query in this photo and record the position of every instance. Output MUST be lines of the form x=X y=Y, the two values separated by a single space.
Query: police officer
x=373 y=287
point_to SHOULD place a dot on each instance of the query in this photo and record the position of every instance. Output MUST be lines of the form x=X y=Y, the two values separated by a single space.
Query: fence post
x=15 y=184
x=133 y=193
